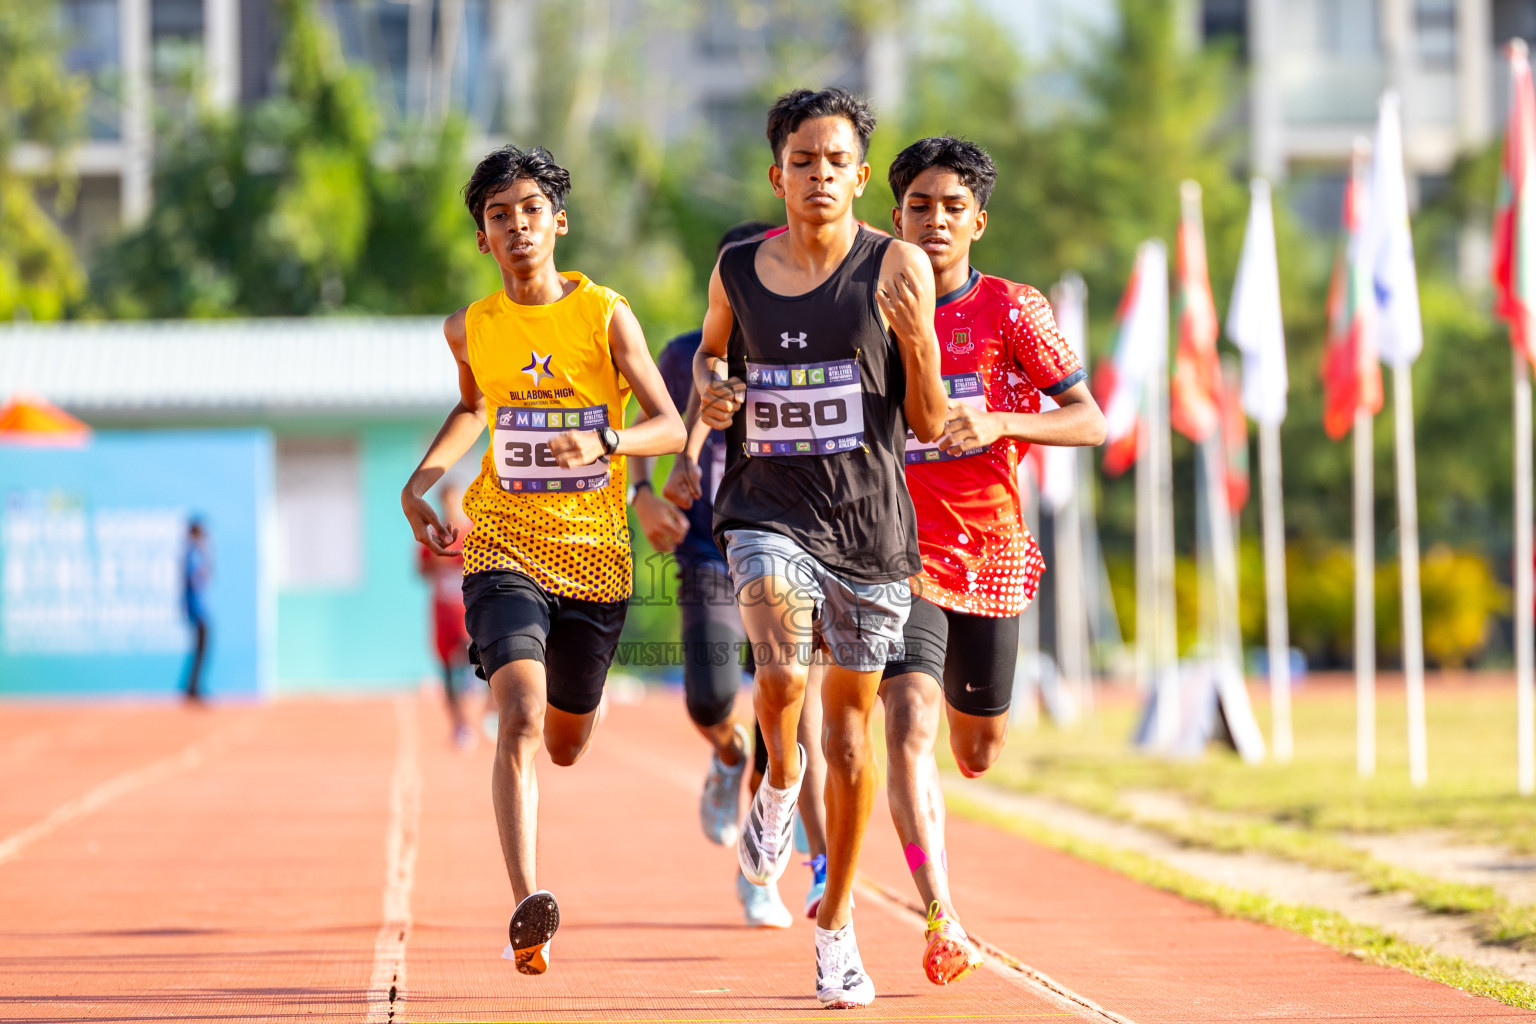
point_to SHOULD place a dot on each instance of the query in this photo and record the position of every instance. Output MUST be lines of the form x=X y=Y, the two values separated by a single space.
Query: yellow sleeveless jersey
x=543 y=369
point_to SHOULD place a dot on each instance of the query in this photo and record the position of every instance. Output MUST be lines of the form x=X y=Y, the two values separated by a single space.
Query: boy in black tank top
x=818 y=353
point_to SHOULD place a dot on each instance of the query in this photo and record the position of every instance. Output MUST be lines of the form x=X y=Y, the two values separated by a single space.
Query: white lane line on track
x=386 y=987
x=999 y=960
x=190 y=756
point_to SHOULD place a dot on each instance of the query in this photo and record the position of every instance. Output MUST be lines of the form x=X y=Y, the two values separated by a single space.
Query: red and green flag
x=1195 y=400
x=1514 y=223
x=1234 y=438
x=1141 y=350
x=1351 y=373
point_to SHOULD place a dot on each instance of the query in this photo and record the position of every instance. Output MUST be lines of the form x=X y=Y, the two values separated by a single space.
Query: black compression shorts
x=511 y=618
x=973 y=656
x=713 y=641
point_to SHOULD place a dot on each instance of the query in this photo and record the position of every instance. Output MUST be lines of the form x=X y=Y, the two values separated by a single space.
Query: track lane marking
x=999 y=960
x=190 y=756
x=386 y=986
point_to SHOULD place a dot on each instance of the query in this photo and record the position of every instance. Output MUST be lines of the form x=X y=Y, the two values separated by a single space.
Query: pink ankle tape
x=916 y=858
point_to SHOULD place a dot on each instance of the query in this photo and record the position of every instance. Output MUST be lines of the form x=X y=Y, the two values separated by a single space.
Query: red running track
x=304 y=859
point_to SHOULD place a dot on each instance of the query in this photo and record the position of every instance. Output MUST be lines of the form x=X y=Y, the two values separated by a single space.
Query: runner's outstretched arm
x=906 y=298
x=658 y=432
x=684 y=484
x=719 y=395
x=458 y=433
x=1077 y=421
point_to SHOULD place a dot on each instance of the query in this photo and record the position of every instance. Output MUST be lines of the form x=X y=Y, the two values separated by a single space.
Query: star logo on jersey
x=798 y=339
x=538 y=368
x=960 y=344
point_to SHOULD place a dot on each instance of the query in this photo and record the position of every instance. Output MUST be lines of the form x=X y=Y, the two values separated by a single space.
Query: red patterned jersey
x=999 y=350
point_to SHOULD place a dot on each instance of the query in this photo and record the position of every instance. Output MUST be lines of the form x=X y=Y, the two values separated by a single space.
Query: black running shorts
x=973 y=656
x=511 y=618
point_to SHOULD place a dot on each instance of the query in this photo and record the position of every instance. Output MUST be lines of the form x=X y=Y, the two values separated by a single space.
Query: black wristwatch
x=610 y=439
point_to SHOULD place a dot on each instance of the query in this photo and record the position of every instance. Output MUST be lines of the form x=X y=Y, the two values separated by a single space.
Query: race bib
x=962 y=387
x=520 y=449
x=806 y=409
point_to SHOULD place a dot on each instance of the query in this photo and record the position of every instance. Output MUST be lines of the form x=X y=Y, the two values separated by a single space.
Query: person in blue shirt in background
x=681 y=520
x=196 y=570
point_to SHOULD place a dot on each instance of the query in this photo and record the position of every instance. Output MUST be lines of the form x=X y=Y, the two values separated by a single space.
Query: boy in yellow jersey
x=548 y=362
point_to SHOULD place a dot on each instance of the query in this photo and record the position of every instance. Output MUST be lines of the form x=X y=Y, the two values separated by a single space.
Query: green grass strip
x=1499 y=921
x=1332 y=929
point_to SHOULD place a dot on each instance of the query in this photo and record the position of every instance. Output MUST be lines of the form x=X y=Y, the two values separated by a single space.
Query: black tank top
x=816 y=451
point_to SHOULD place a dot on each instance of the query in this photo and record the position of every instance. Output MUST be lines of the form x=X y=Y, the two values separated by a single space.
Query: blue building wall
x=91 y=541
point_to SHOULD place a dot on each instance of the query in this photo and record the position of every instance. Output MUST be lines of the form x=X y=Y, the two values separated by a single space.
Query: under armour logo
x=788 y=341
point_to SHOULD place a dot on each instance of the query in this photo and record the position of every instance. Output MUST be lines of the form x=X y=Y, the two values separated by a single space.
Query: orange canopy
x=28 y=419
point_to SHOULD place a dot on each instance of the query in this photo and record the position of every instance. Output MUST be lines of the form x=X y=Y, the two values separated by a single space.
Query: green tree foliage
x=290 y=207
x=39 y=103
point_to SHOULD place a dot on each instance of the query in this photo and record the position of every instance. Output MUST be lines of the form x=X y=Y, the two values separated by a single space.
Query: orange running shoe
x=950 y=955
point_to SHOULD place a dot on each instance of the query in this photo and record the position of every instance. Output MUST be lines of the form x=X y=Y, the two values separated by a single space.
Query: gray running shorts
x=858 y=622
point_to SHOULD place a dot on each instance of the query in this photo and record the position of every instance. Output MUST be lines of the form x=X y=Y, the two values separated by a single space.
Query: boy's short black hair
x=742 y=232
x=969 y=161
x=793 y=109
x=503 y=166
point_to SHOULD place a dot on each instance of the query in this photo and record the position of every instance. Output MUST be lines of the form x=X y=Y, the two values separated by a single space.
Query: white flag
x=1253 y=319
x=1141 y=343
x=1388 y=244
x=1058 y=470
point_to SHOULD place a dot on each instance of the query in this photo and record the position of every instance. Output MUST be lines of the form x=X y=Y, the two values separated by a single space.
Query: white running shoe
x=841 y=983
x=720 y=802
x=766 y=843
x=761 y=906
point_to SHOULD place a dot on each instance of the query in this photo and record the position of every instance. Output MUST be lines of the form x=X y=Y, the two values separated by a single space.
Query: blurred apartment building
x=426 y=56
x=1316 y=69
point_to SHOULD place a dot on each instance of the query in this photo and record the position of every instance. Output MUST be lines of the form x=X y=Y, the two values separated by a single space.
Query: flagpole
x=1513 y=285
x=1146 y=627
x=1071 y=579
x=1027 y=704
x=1408 y=564
x=1159 y=494
x=1167 y=620
x=1226 y=635
x=1274 y=591
x=1525 y=575
x=1365 y=599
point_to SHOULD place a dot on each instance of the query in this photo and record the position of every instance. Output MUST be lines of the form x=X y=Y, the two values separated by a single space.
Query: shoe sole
x=947 y=961
x=533 y=924
x=845 y=1001
x=780 y=925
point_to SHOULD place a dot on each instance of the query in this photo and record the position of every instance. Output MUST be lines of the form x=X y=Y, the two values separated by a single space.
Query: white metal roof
x=292 y=365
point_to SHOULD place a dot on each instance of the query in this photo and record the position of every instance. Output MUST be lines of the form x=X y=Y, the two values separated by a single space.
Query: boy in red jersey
x=999 y=352
x=445 y=575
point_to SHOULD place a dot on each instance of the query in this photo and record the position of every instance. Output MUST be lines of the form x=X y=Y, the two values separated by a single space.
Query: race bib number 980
x=520 y=449
x=805 y=409
x=961 y=387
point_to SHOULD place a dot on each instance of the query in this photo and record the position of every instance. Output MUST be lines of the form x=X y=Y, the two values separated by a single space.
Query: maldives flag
x=1514 y=224
x=1141 y=349
x=1234 y=438
x=1195 y=396
x=1351 y=374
